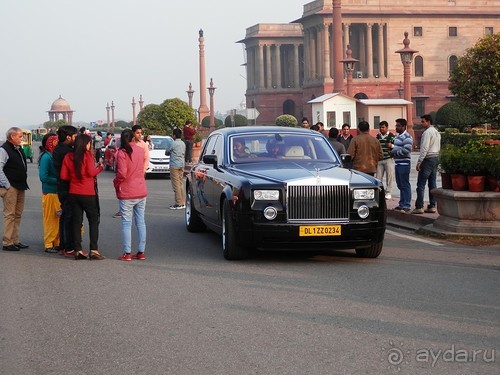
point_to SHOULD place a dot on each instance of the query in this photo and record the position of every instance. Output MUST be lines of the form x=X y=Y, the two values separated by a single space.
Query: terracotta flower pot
x=493 y=183
x=476 y=183
x=446 y=181
x=459 y=182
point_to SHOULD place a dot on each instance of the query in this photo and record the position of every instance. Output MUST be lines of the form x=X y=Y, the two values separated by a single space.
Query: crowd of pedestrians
x=387 y=156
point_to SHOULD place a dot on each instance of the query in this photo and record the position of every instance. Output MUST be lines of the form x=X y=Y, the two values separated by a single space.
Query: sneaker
x=430 y=210
x=418 y=211
x=406 y=210
x=388 y=196
x=126 y=257
x=51 y=250
x=398 y=208
x=139 y=256
x=118 y=214
x=177 y=207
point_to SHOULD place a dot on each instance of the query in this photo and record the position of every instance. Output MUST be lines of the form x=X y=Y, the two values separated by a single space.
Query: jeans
x=133 y=208
x=403 y=183
x=427 y=174
x=90 y=205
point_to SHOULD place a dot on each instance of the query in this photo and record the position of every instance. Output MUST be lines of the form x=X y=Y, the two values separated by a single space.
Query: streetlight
x=190 y=93
x=107 y=110
x=407 y=58
x=349 y=63
x=113 y=115
x=211 y=91
x=134 y=118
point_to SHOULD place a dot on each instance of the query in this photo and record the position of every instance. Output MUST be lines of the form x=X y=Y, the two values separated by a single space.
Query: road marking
x=413 y=238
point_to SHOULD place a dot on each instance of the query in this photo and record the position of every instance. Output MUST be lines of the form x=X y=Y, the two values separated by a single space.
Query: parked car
x=159 y=163
x=109 y=153
x=268 y=187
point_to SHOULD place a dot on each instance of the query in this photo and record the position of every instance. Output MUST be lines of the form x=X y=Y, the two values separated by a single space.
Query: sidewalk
x=410 y=221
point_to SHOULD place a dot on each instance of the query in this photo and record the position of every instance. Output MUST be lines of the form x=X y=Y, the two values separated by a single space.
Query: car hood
x=291 y=172
x=158 y=154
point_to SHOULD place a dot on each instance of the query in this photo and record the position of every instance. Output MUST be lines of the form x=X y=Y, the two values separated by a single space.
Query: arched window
x=419 y=66
x=452 y=63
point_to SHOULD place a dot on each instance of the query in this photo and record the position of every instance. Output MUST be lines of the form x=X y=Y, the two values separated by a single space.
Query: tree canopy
x=476 y=79
x=161 y=119
x=456 y=115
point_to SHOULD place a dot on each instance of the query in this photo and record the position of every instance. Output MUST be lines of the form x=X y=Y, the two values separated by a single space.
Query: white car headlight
x=266 y=195
x=364 y=194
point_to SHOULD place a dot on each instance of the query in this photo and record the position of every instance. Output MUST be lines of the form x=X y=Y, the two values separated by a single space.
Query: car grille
x=318 y=202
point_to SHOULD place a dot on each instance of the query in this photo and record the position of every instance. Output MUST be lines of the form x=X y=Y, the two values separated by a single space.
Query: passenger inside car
x=239 y=149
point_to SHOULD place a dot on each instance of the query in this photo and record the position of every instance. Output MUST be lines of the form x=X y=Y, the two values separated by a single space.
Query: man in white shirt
x=427 y=164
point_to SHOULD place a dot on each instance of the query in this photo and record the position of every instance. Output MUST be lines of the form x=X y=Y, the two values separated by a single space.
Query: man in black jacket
x=66 y=135
x=13 y=185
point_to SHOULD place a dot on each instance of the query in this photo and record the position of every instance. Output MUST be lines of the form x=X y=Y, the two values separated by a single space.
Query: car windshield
x=248 y=148
x=160 y=143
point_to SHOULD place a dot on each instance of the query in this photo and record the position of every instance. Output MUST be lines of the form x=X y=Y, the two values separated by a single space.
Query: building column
x=313 y=55
x=269 y=70
x=296 y=70
x=381 y=51
x=307 y=59
x=260 y=64
x=326 y=55
x=369 y=50
x=278 y=65
x=346 y=36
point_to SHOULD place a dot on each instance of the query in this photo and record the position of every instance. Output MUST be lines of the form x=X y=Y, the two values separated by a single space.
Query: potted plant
x=493 y=168
x=474 y=164
x=197 y=140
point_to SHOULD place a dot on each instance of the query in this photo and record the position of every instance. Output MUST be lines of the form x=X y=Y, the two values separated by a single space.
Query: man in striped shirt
x=403 y=144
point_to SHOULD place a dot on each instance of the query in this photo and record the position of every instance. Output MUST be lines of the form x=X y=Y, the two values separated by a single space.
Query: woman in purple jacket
x=131 y=191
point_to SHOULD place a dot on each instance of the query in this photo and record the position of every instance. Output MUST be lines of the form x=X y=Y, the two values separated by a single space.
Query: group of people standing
x=389 y=155
x=68 y=171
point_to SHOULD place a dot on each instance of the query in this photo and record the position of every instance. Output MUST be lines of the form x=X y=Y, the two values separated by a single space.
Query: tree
x=205 y=123
x=239 y=120
x=175 y=112
x=455 y=115
x=286 y=120
x=150 y=118
x=161 y=119
x=476 y=79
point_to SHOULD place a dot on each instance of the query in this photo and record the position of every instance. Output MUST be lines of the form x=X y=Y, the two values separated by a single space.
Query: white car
x=159 y=163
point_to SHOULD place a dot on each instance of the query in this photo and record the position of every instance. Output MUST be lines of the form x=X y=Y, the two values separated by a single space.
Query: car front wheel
x=370 y=252
x=230 y=248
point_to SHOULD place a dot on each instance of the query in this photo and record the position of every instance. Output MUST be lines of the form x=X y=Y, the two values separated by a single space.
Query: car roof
x=263 y=129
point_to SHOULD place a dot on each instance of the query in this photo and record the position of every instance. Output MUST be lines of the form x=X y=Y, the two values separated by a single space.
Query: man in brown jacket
x=365 y=150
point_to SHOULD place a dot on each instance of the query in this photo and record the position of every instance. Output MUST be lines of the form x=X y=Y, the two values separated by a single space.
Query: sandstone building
x=290 y=64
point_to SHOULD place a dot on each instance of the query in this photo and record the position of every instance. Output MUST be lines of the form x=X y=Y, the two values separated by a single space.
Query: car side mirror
x=346 y=159
x=210 y=159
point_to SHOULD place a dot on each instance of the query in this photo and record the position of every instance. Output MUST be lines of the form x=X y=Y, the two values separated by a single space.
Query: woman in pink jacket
x=131 y=191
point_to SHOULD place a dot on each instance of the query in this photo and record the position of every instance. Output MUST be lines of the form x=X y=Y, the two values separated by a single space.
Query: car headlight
x=364 y=194
x=266 y=195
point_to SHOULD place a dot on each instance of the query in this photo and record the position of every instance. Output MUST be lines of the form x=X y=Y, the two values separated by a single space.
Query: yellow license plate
x=319 y=230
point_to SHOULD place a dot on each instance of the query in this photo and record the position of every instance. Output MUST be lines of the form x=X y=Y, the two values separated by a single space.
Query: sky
x=92 y=52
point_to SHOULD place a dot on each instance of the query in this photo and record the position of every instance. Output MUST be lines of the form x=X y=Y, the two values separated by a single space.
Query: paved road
x=419 y=308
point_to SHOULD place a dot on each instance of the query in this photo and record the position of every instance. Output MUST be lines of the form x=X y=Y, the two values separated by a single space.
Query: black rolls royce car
x=270 y=187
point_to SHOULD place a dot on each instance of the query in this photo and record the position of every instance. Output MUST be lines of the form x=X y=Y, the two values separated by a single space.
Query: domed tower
x=61 y=107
